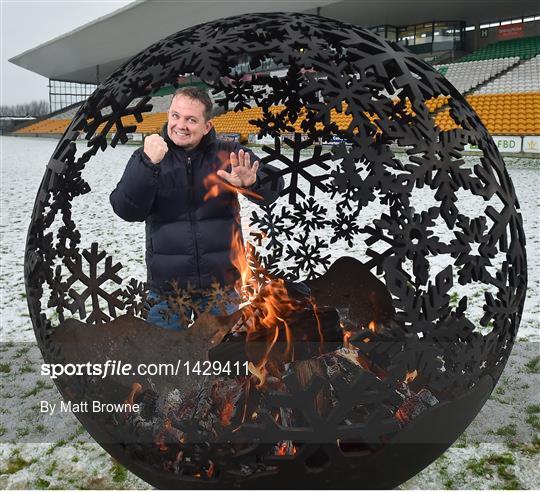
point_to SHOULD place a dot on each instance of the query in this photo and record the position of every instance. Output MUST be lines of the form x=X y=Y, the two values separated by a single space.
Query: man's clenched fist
x=155 y=148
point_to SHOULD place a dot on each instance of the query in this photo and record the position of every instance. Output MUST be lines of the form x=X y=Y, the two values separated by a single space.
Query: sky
x=27 y=24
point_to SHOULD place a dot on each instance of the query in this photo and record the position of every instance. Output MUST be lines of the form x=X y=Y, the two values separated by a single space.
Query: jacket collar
x=209 y=139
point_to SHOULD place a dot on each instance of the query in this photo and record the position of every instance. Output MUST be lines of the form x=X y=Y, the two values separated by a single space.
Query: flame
x=372 y=325
x=179 y=456
x=289 y=351
x=265 y=321
x=240 y=261
x=215 y=185
x=411 y=376
x=136 y=388
x=161 y=436
x=226 y=413
x=286 y=448
x=346 y=337
x=347 y=334
x=319 y=329
x=260 y=370
x=266 y=309
x=282 y=449
x=402 y=415
x=160 y=441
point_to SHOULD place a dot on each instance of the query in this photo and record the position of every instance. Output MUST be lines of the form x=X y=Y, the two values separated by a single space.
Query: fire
x=319 y=329
x=161 y=437
x=401 y=416
x=240 y=261
x=346 y=337
x=282 y=449
x=266 y=325
x=209 y=472
x=264 y=317
x=411 y=376
x=285 y=448
x=215 y=185
x=226 y=413
x=136 y=388
x=347 y=334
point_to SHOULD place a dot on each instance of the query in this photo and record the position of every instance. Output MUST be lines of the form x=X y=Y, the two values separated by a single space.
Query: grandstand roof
x=110 y=41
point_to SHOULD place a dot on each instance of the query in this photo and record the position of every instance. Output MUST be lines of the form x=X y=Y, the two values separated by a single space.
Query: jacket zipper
x=191 y=219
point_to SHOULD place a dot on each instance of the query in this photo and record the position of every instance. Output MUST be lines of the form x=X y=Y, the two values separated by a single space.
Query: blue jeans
x=175 y=322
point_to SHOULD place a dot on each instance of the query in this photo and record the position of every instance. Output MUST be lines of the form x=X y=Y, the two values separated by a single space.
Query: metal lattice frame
x=382 y=89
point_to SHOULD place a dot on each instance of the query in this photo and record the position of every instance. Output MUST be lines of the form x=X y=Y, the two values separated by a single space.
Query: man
x=166 y=183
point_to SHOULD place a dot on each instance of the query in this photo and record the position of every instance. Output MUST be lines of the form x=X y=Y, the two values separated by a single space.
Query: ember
x=411 y=376
x=415 y=405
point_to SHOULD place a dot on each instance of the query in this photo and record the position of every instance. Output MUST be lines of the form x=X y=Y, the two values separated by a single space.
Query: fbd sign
x=509 y=144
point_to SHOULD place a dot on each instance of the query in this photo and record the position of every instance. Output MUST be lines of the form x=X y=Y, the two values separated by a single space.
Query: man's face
x=186 y=125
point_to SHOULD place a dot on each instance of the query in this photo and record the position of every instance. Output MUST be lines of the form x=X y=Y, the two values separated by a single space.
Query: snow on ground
x=499 y=449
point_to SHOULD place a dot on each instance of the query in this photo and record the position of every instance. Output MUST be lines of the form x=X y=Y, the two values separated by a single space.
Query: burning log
x=416 y=404
x=306 y=371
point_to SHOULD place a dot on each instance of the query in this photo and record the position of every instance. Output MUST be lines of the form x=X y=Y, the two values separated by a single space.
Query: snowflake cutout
x=136 y=298
x=58 y=296
x=288 y=91
x=409 y=235
x=239 y=92
x=347 y=179
x=501 y=309
x=272 y=124
x=345 y=227
x=271 y=225
x=93 y=283
x=297 y=167
x=179 y=302
x=309 y=215
x=307 y=257
x=219 y=297
x=472 y=266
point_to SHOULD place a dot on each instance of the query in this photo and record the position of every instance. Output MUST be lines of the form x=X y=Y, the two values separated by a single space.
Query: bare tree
x=34 y=108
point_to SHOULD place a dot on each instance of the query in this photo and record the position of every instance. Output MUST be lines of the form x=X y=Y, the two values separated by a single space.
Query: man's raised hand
x=243 y=173
x=155 y=148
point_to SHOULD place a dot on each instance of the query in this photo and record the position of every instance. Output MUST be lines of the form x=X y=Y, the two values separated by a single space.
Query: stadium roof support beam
x=103 y=45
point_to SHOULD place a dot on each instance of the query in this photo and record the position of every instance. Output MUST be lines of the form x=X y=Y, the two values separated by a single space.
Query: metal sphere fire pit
x=374 y=360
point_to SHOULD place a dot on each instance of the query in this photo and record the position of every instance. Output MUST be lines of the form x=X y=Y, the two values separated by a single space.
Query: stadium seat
x=523 y=48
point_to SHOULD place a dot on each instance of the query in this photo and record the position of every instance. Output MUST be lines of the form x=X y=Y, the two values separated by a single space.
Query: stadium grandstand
x=491 y=55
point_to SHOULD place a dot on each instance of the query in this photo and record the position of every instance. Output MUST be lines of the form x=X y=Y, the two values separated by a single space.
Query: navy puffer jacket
x=188 y=239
